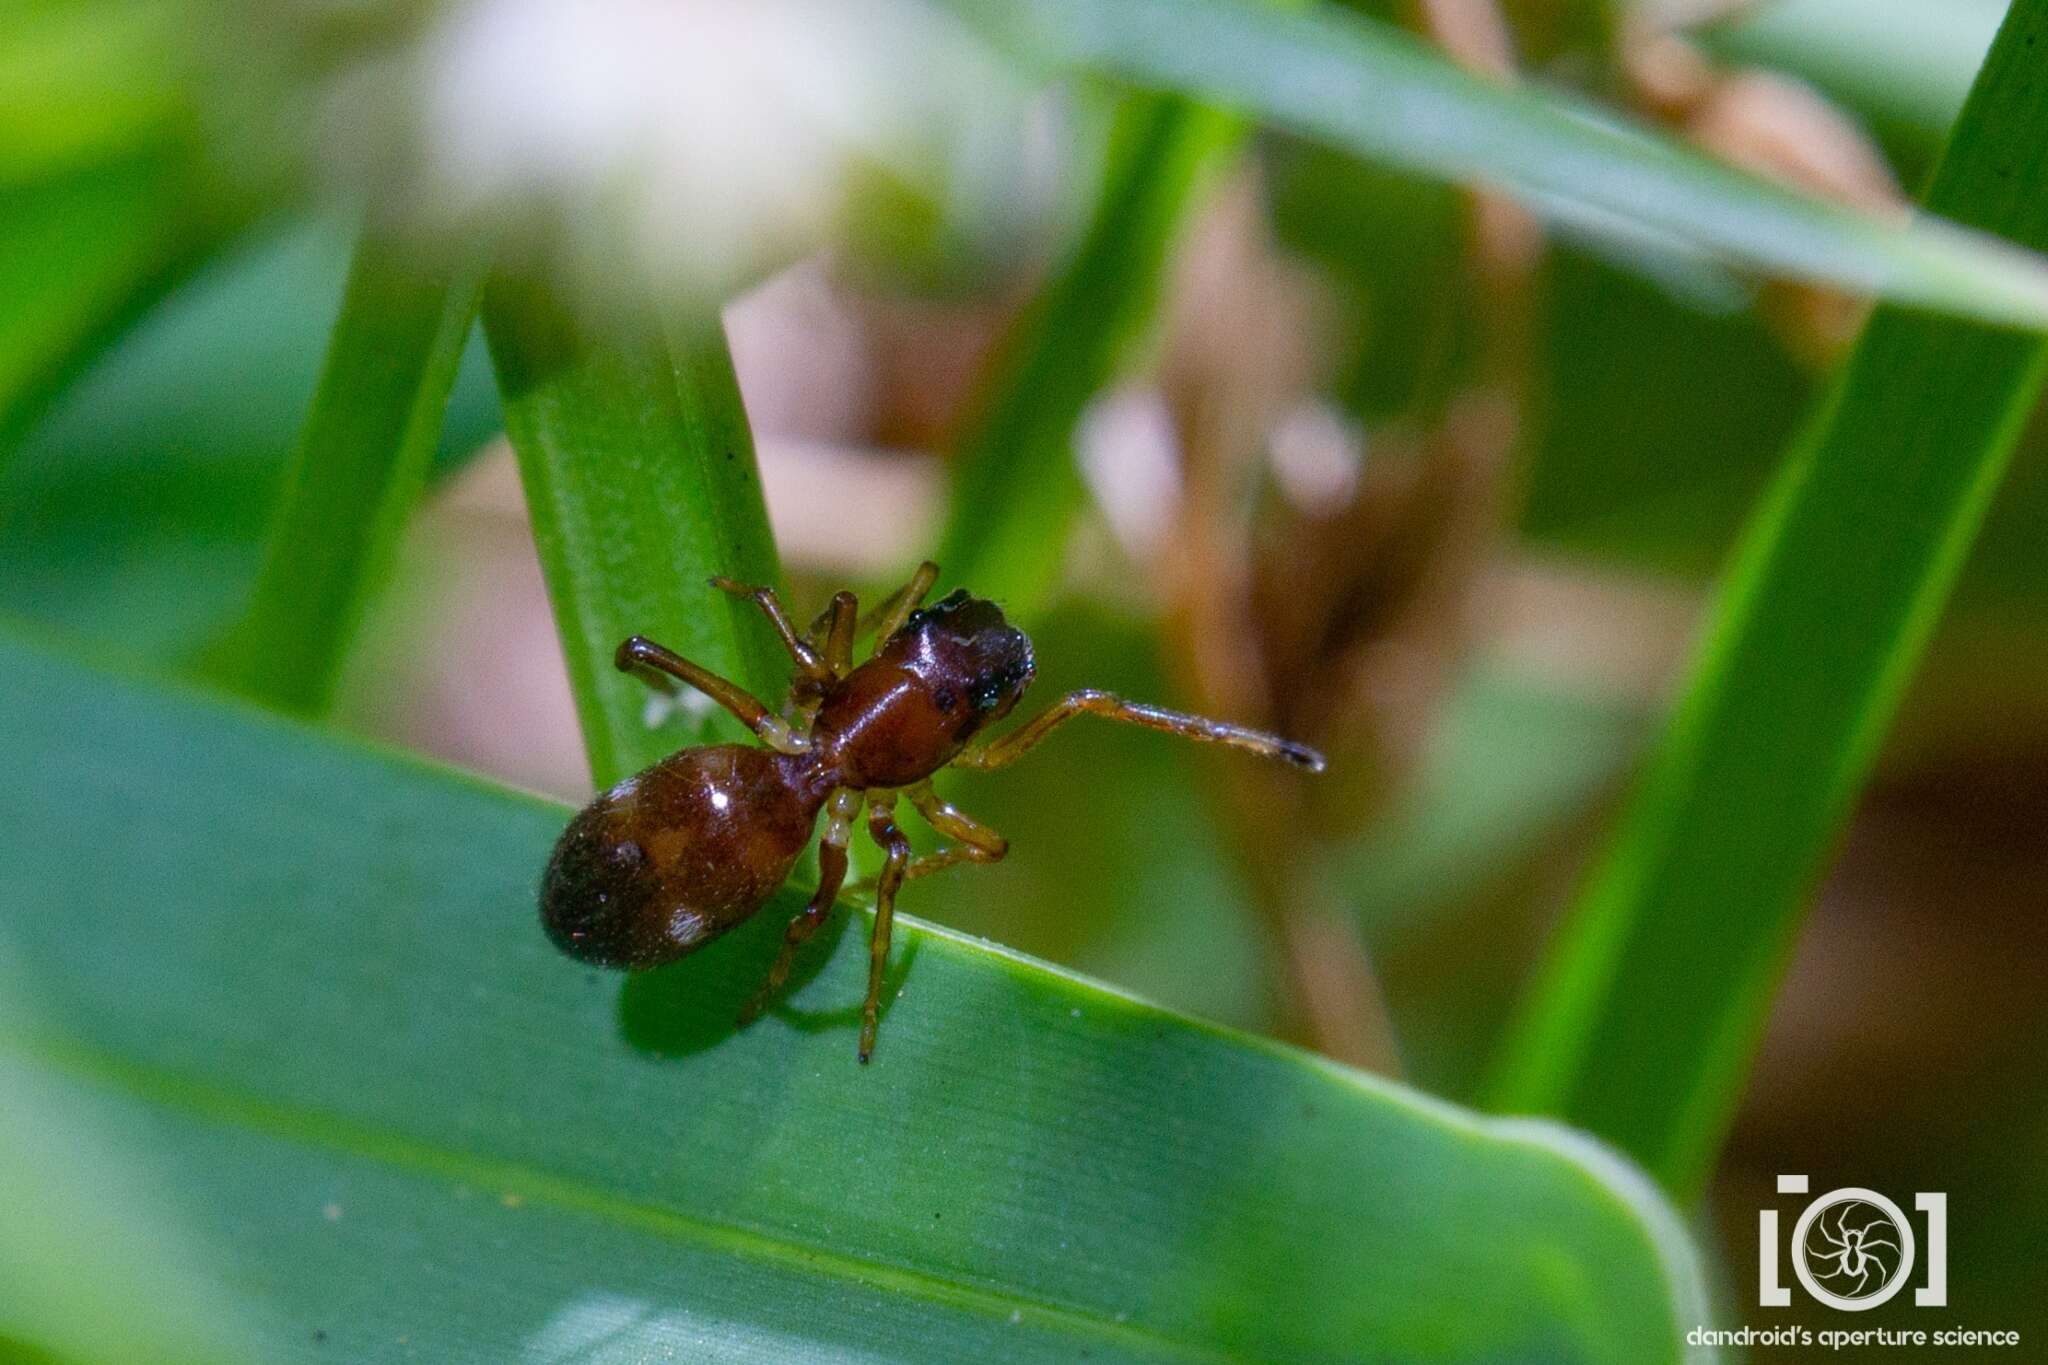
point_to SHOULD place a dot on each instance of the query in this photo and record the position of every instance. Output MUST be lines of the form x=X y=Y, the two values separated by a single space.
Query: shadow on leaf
x=694 y=1004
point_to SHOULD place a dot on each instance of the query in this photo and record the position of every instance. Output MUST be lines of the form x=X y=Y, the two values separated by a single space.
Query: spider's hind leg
x=882 y=827
x=973 y=842
x=661 y=668
x=844 y=806
x=801 y=652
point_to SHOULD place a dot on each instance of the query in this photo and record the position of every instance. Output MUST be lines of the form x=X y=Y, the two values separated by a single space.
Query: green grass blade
x=84 y=83
x=1646 y=1020
x=1373 y=90
x=1016 y=484
x=412 y=1130
x=83 y=254
x=360 y=464
x=640 y=477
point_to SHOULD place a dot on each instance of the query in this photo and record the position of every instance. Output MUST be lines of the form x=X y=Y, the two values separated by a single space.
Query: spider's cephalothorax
x=979 y=663
x=933 y=684
x=674 y=856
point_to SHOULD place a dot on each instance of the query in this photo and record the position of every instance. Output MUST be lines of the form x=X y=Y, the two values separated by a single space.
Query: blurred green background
x=1491 y=649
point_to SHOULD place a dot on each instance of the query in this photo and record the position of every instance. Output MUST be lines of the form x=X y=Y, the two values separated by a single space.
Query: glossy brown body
x=676 y=855
x=933 y=685
x=673 y=857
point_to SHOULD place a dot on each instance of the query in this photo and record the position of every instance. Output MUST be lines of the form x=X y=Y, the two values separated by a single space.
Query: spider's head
x=974 y=663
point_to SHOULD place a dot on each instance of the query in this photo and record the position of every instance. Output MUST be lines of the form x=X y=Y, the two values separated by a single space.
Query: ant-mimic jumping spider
x=674 y=856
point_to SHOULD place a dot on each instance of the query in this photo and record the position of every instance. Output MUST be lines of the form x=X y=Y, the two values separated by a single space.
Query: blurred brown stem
x=1346 y=625
x=1330 y=997
x=1225 y=393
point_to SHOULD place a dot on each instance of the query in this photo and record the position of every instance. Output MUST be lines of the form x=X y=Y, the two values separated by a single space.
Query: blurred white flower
x=709 y=141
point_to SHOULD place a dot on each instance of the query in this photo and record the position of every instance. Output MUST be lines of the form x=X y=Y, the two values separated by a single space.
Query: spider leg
x=844 y=806
x=807 y=659
x=830 y=639
x=1089 y=701
x=839 y=623
x=649 y=662
x=882 y=828
x=976 y=842
x=888 y=615
x=1828 y=1234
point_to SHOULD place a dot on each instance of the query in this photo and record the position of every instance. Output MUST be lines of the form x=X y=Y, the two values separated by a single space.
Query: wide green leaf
x=1657 y=991
x=1372 y=89
x=358 y=470
x=639 y=473
x=300 y=984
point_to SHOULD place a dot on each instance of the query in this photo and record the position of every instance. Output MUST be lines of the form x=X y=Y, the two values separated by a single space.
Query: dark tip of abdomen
x=592 y=896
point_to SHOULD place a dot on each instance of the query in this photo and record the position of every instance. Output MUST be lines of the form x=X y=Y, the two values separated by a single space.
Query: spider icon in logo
x=1852 y=1249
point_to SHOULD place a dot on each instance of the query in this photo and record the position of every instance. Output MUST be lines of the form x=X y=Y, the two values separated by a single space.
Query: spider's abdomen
x=671 y=858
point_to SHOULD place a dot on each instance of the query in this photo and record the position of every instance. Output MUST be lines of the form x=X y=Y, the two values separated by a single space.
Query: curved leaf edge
x=1604 y=1174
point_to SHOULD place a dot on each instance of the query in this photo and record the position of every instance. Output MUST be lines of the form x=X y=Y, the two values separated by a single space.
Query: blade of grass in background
x=358 y=470
x=193 y=415
x=83 y=83
x=1371 y=89
x=1016 y=485
x=1644 y=1024
x=640 y=478
x=412 y=1130
x=82 y=254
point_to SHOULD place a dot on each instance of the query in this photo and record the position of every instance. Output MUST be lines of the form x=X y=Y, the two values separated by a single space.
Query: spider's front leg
x=1090 y=701
x=835 y=627
x=889 y=614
